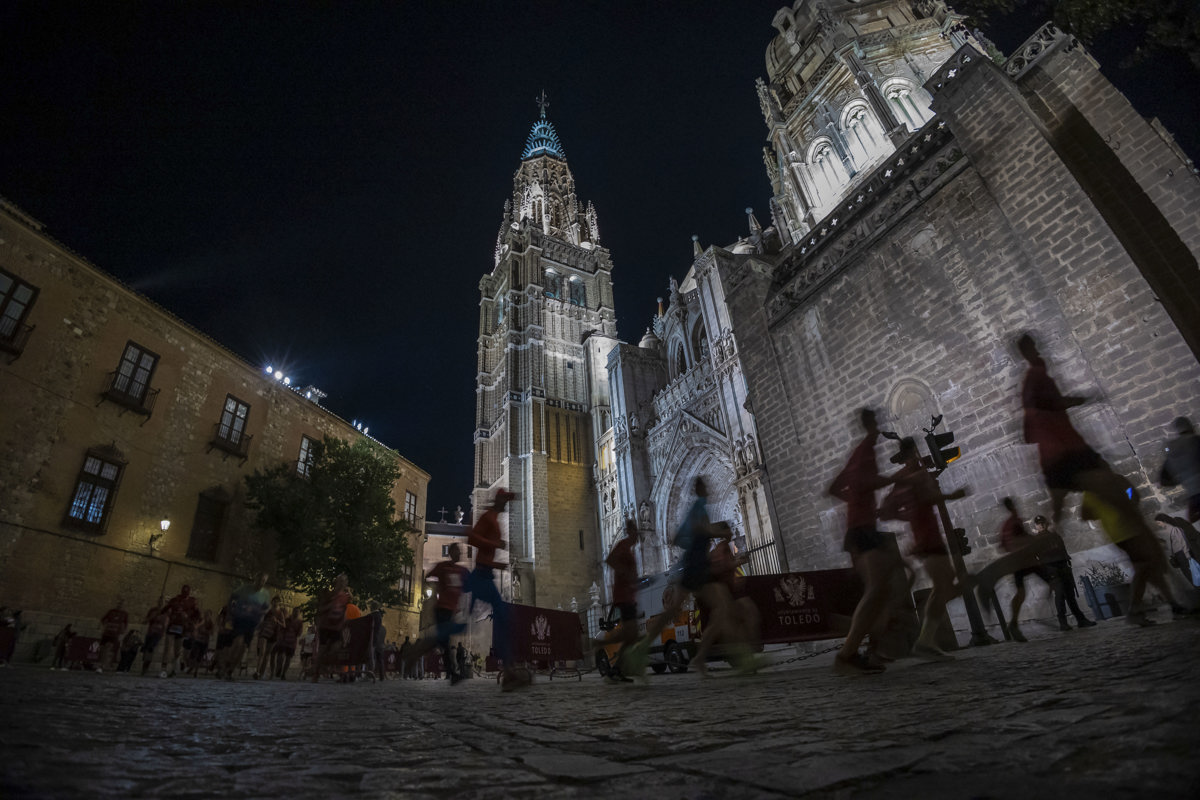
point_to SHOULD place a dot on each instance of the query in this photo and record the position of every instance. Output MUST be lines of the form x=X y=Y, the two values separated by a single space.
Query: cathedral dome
x=650 y=341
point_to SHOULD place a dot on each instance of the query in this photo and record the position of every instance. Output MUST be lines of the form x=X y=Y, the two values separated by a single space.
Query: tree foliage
x=1153 y=25
x=339 y=518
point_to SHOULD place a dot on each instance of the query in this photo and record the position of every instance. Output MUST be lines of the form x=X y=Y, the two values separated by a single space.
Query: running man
x=268 y=635
x=184 y=612
x=157 y=619
x=697 y=579
x=913 y=500
x=623 y=563
x=112 y=627
x=246 y=608
x=331 y=620
x=450 y=579
x=856 y=485
x=486 y=538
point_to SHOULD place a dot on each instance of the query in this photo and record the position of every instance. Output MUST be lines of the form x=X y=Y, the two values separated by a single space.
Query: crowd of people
x=253 y=634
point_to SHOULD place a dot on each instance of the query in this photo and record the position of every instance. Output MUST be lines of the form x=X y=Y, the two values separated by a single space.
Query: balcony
x=13 y=339
x=129 y=401
x=229 y=441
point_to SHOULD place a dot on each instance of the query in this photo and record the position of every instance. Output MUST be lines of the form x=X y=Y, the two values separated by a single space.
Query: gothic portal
x=546 y=324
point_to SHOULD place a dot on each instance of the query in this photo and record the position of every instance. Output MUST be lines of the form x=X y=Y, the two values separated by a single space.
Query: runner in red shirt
x=331 y=619
x=201 y=634
x=913 y=500
x=856 y=485
x=451 y=579
x=112 y=627
x=1068 y=463
x=157 y=620
x=486 y=538
x=623 y=562
x=184 y=612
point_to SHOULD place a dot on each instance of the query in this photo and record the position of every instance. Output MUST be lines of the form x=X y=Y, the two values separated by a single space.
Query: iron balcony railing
x=143 y=405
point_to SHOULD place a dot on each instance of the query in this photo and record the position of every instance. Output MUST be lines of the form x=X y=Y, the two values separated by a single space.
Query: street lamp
x=155 y=538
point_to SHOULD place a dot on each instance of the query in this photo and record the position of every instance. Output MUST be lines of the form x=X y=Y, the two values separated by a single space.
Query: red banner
x=805 y=606
x=545 y=636
x=83 y=649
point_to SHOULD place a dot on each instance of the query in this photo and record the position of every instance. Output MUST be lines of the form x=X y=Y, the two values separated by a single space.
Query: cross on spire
x=543 y=103
x=443 y=512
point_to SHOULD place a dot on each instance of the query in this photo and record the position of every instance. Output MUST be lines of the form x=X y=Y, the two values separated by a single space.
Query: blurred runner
x=486 y=538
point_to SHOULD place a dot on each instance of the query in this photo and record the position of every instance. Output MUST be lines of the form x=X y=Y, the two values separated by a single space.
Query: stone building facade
x=116 y=416
x=546 y=324
x=681 y=409
x=1024 y=195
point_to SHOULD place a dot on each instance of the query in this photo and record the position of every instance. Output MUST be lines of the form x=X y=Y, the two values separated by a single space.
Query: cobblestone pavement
x=1110 y=710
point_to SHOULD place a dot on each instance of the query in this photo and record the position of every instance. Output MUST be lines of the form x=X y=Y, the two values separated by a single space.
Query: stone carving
x=646 y=516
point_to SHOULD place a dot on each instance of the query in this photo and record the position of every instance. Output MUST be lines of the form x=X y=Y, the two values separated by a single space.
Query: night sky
x=319 y=186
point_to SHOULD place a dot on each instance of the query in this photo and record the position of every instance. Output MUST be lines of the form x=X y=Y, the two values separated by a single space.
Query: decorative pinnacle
x=543 y=103
x=696 y=245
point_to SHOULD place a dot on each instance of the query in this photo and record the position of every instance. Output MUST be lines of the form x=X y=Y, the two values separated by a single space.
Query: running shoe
x=855 y=665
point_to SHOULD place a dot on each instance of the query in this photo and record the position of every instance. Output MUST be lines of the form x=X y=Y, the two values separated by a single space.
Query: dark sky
x=319 y=186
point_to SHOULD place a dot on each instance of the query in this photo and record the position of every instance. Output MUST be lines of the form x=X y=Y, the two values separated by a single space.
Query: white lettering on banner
x=810 y=618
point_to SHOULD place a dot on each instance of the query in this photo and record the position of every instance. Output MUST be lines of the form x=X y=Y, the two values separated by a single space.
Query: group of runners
x=1068 y=465
x=705 y=570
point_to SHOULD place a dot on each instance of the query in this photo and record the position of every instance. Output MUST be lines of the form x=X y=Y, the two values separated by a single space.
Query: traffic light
x=938 y=450
x=960 y=539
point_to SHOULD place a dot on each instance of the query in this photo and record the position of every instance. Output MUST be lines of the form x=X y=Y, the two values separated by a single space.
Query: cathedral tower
x=546 y=324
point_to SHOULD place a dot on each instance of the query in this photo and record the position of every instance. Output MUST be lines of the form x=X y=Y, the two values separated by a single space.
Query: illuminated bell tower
x=546 y=324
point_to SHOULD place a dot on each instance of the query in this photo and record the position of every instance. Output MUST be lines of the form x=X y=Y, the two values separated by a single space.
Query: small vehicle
x=678 y=640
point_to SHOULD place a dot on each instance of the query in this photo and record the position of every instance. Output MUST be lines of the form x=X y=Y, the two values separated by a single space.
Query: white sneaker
x=162 y=674
x=99 y=671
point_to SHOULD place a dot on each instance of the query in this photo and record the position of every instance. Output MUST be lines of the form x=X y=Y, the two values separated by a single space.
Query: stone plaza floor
x=1108 y=712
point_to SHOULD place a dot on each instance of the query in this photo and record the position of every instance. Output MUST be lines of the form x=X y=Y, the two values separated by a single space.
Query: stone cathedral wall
x=912 y=308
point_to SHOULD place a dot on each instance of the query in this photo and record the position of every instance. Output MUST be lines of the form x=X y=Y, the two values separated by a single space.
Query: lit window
x=95 y=490
x=578 y=292
x=230 y=434
x=129 y=384
x=553 y=284
x=410 y=508
x=405 y=586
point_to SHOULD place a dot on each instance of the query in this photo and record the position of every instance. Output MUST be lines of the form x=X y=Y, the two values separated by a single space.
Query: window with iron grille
x=207 y=525
x=132 y=378
x=16 y=298
x=304 y=462
x=233 y=421
x=406 y=584
x=410 y=507
x=95 y=490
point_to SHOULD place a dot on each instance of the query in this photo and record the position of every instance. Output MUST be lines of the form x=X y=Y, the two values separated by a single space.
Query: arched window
x=500 y=311
x=826 y=170
x=908 y=111
x=862 y=135
x=578 y=292
x=678 y=360
x=553 y=284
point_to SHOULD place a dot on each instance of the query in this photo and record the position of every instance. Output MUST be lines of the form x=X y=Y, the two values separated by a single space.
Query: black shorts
x=150 y=642
x=1062 y=474
x=199 y=649
x=695 y=579
x=862 y=539
x=628 y=611
x=224 y=639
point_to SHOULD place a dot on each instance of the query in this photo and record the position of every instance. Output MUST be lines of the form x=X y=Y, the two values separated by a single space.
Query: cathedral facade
x=932 y=201
x=546 y=324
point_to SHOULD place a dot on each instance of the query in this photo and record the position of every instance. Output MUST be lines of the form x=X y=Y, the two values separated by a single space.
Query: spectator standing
x=1181 y=466
x=1058 y=567
x=307 y=644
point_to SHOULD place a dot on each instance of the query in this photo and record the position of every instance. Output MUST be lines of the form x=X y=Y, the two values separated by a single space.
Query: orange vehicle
x=677 y=642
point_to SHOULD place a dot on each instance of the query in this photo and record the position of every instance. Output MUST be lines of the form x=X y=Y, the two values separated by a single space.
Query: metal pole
x=979 y=634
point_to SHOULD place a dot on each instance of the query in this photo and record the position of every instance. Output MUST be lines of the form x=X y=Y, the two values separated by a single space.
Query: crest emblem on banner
x=540 y=627
x=793 y=590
